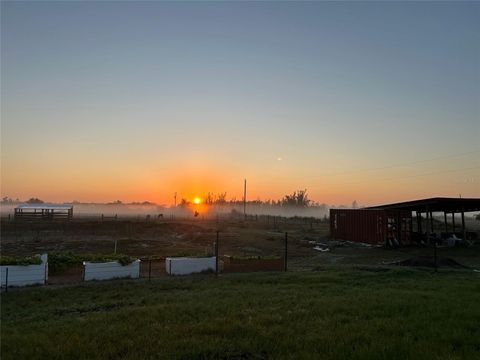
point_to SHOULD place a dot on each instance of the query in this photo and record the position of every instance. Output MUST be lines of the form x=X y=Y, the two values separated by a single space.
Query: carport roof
x=437 y=204
x=45 y=206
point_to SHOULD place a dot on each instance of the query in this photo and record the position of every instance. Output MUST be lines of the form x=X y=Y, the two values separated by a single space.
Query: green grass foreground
x=330 y=314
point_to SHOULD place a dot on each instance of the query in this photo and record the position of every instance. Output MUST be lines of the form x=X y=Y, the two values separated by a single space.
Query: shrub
x=20 y=260
x=60 y=261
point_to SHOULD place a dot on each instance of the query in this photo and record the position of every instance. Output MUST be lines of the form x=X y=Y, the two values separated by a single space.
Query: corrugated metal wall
x=189 y=265
x=370 y=226
x=110 y=270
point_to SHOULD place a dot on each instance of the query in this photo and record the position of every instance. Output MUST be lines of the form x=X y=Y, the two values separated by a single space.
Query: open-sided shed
x=44 y=211
x=392 y=223
x=447 y=206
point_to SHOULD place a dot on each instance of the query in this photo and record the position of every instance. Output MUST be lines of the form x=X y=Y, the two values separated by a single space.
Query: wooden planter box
x=23 y=275
x=231 y=264
x=189 y=265
x=110 y=270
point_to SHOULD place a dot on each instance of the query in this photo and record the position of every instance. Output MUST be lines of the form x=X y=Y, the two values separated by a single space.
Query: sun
x=197 y=200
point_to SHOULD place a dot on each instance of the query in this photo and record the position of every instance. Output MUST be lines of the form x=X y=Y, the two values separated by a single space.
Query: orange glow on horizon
x=197 y=201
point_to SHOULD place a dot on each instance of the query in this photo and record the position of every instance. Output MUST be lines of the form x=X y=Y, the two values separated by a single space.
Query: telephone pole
x=175 y=199
x=245 y=199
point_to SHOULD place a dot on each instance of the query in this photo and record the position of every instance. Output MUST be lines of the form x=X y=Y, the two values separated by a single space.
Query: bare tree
x=298 y=199
x=221 y=198
x=184 y=203
x=209 y=199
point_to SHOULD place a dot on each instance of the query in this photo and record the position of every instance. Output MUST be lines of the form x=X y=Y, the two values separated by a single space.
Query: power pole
x=245 y=199
x=216 y=255
x=175 y=199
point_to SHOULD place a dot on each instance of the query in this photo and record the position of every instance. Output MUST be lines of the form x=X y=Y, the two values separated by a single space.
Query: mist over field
x=128 y=210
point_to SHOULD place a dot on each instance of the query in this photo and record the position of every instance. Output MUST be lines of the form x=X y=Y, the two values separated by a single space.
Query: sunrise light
x=197 y=201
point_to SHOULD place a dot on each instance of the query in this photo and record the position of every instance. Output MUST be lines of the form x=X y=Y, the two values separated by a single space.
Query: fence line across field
x=24 y=275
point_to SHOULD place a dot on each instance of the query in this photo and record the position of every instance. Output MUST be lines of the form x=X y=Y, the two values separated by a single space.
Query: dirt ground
x=156 y=238
x=308 y=243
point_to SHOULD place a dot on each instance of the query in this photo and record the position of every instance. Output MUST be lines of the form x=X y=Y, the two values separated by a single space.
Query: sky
x=366 y=101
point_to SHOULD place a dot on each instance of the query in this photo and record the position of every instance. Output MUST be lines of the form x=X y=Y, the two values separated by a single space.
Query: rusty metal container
x=376 y=227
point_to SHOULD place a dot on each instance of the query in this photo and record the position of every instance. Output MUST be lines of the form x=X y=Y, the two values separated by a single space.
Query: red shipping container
x=377 y=227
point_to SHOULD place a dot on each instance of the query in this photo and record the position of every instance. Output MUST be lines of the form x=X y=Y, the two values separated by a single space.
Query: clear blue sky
x=135 y=100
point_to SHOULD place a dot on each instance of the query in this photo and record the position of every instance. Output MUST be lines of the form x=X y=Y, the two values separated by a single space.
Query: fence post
x=286 y=253
x=435 y=253
x=6 y=279
x=45 y=274
x=216 y=255
x=115 y=248
x=149 y=269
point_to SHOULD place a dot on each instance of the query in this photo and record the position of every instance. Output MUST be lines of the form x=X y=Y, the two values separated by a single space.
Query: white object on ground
x=318 y=248
x=23 y=275
x=189 y=265
x=110 y=270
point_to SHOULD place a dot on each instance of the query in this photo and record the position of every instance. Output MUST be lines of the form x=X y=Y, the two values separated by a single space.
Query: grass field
x=333 y=314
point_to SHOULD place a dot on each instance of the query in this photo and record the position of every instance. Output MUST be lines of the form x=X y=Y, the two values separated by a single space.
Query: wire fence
x=149 y=267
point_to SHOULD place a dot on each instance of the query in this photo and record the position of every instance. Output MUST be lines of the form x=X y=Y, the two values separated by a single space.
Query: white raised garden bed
x=110 y=270
x=189 y=265
x=23 y=275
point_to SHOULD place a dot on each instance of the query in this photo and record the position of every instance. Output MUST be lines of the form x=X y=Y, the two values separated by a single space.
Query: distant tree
x=221 y=198
x=354 y=204
x=184 y=203
x=208 y=199
x=234 y=201
x=143 y=203
x=298 y=199
x=34 y=201
x=256 y=202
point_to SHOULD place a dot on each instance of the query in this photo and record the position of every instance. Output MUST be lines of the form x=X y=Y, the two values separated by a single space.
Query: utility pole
x=245 y=199
x=216 y=255
x=175 y=199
